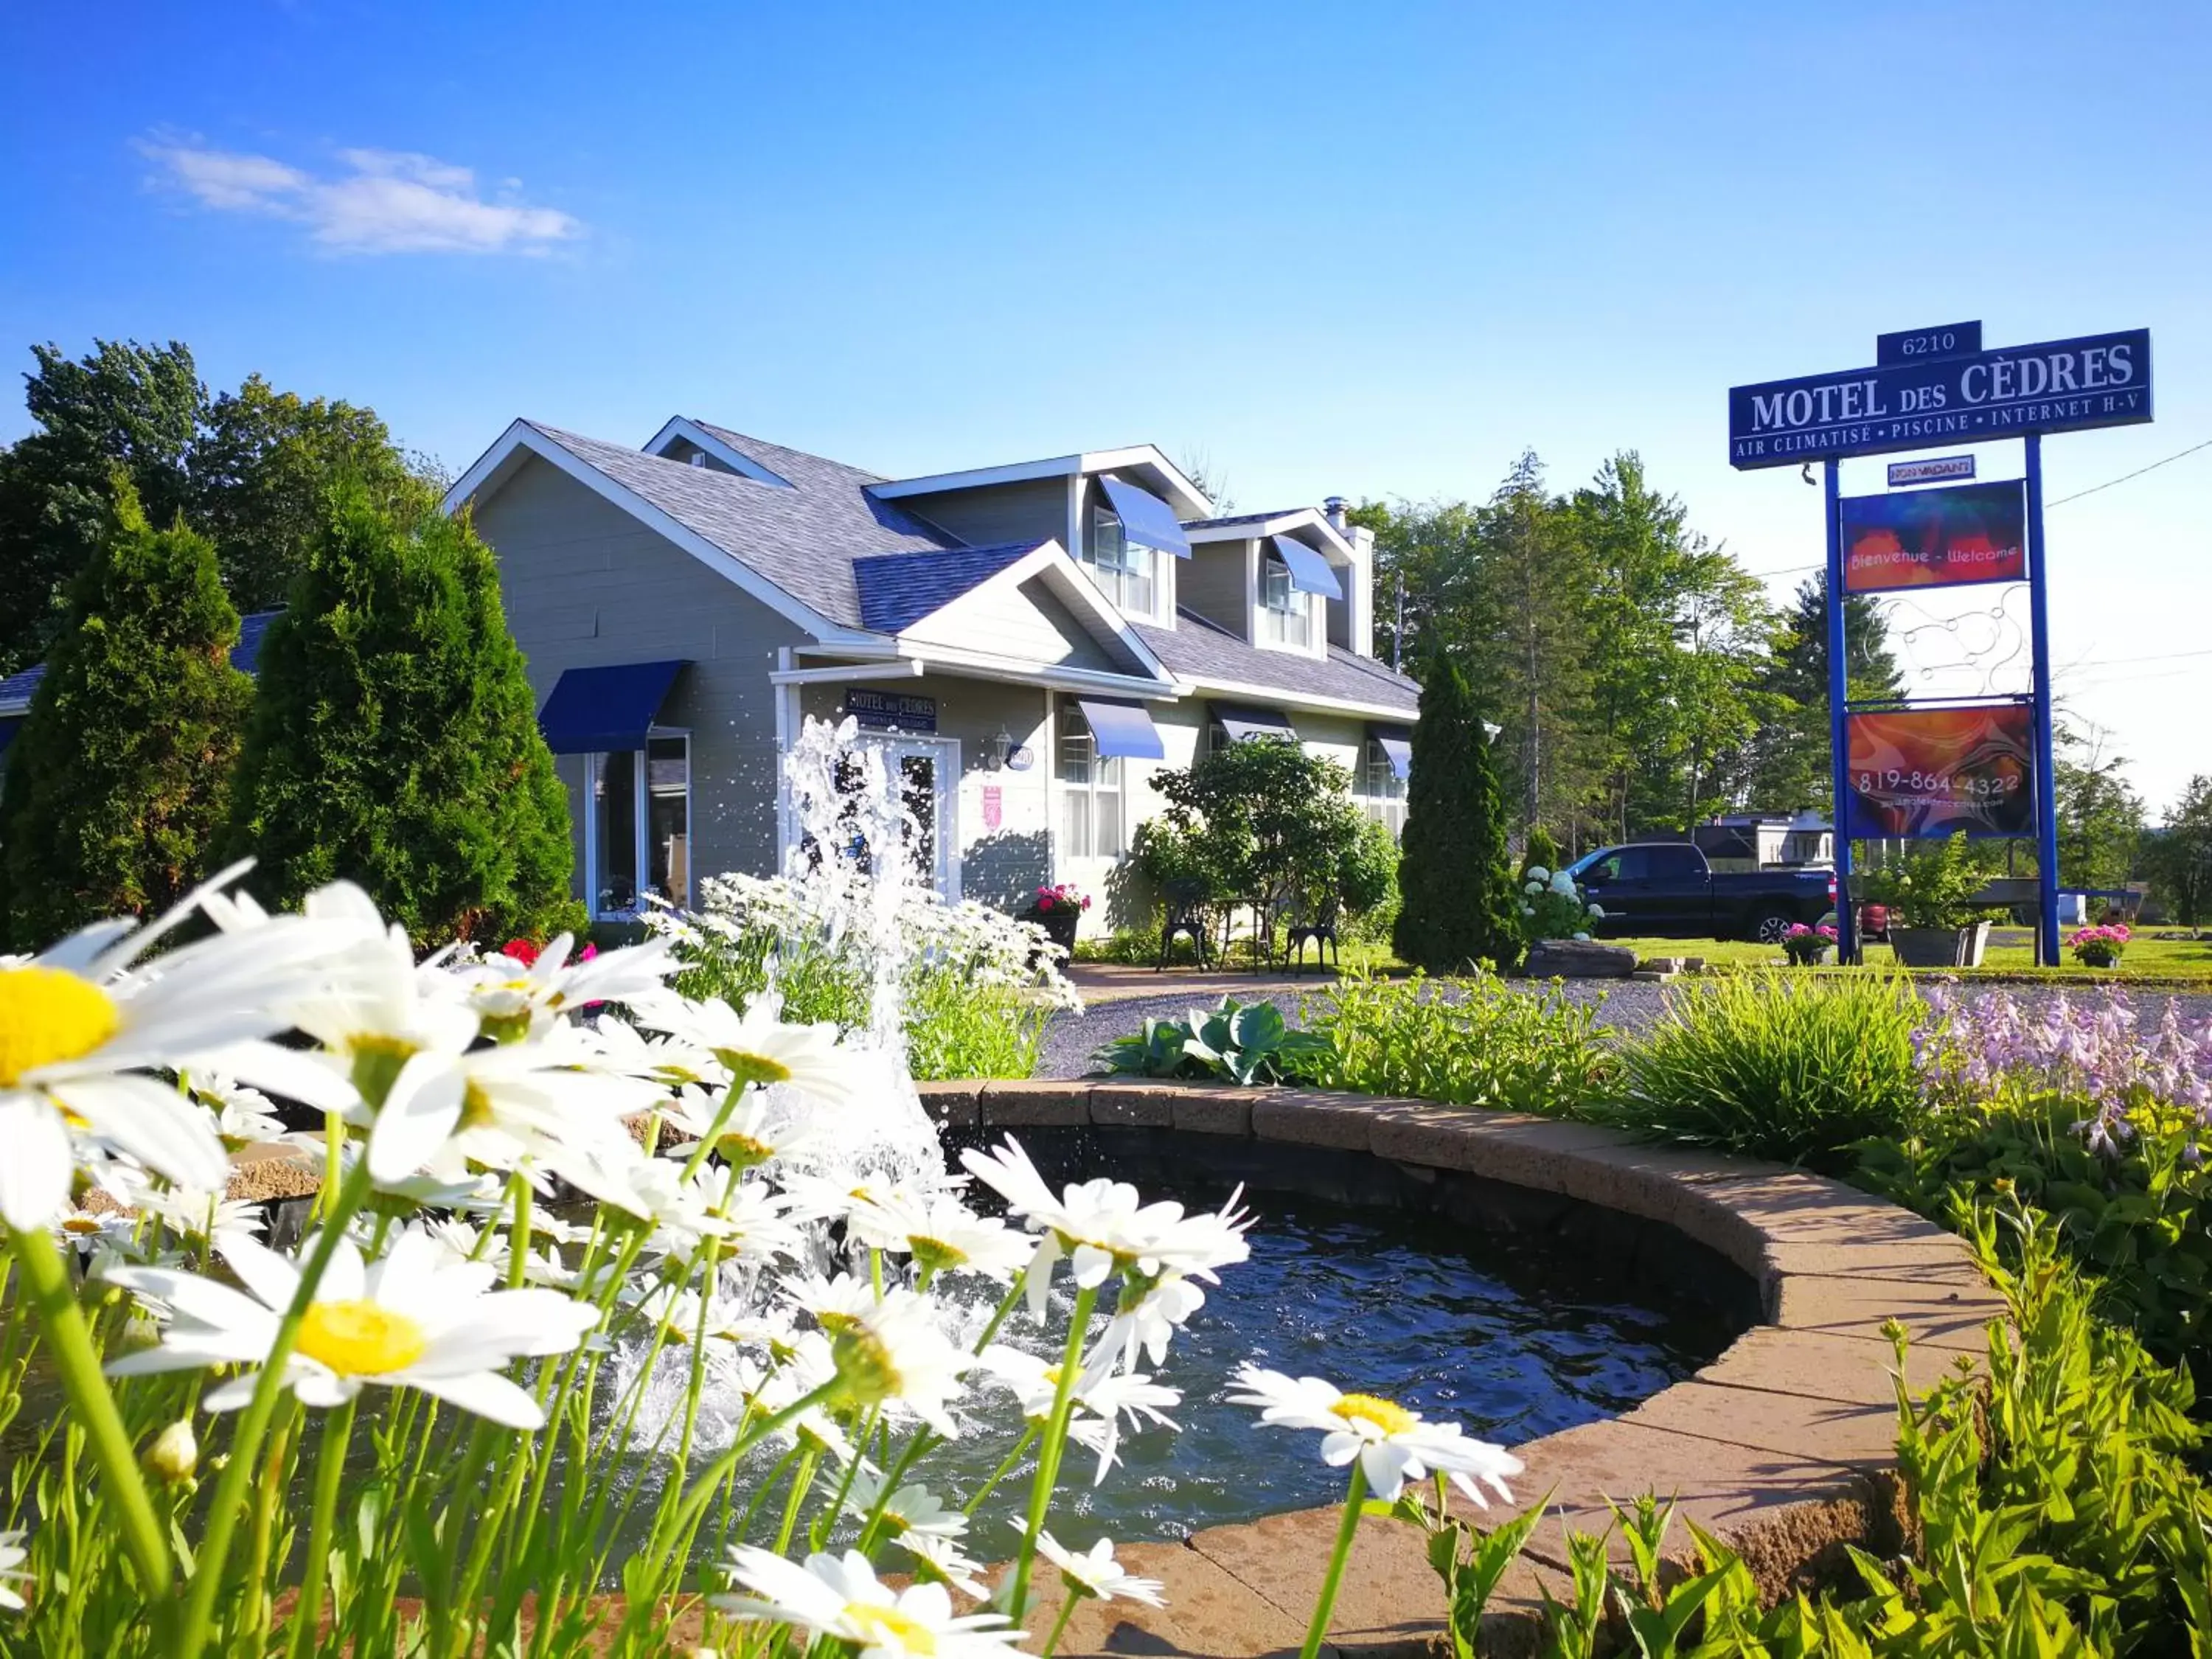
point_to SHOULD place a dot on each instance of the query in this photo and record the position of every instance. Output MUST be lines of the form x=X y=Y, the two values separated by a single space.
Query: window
x=1090 y=793
x=1123 y=567
x=1673 y=864
x=634 y=832
x=1383 y=793
x=668 y=816
x=1285 y=614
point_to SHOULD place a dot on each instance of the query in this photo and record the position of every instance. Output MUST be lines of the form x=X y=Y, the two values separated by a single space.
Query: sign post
x=1840 y=683
x=2047 y=788
x=1929 y=387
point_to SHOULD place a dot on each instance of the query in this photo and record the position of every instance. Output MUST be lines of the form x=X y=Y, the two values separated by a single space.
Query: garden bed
x=1782 y=1447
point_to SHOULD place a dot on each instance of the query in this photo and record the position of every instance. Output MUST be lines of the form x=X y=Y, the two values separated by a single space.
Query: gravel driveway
x=1624 y=1005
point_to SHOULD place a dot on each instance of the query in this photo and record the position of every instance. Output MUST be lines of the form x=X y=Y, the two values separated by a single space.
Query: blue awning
x=1145 y=518
x=1122 y=728
x=595 y=710
x=1309 y=571
x=1397 y=744
x=1244 y=722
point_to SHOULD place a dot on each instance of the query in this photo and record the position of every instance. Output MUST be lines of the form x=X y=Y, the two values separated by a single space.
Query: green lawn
x=2011 y=955
x=2184 y=964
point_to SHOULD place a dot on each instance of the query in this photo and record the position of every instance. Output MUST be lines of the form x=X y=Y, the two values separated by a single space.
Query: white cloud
x=384 y=202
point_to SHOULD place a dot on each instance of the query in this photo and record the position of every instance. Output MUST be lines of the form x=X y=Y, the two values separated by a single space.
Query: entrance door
x=926 y=771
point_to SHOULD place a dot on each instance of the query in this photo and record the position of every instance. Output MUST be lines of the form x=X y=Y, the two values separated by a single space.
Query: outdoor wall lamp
x=1001 y=746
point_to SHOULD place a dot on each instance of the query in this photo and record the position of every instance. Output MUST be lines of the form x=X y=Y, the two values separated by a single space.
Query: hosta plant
x=1236 y=1042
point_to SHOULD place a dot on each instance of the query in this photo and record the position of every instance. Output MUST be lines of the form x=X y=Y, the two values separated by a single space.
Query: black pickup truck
x=1665 y=889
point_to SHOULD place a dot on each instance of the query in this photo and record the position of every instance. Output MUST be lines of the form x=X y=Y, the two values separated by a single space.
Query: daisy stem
x=1028 y=1433
x=48 y=1281
x=1048 y=1455
x=337 y=1435
x=998 y=1317
x=704 y=1488
x=1344 y=1529
x=1060 y=1625
x=517 y=1241
x=230 y=1497
x=799 y=1483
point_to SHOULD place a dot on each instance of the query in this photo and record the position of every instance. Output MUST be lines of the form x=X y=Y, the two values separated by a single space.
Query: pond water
x=1512 y=1337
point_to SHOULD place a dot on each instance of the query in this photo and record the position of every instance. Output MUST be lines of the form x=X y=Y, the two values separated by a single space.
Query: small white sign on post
x=1940 y=469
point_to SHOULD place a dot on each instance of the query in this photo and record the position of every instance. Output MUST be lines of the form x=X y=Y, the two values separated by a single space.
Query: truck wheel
x=1770 y=928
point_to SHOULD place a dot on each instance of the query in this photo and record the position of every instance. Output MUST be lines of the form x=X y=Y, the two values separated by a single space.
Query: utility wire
x=2125 y=477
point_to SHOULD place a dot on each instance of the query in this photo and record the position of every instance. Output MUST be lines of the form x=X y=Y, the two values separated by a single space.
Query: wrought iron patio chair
x=1186 y=918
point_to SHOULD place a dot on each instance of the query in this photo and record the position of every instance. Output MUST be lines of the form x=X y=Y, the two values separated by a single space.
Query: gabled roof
x=16 y=691
x=1153 y=471
x=797 y=540
x=1281 y=522
x=1206 y=655
x=899 y=589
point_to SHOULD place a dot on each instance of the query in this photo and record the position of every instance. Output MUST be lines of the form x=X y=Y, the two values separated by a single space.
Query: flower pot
x=1059 y=923
x=1940 y=947
x=2099 y=958
x=1810 y=958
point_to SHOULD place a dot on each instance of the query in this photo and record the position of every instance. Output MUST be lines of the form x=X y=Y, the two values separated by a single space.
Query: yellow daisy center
x=865 y=1366
x=935 y=1254
x=1390 y=1418
x=80 y=1224
x=361 y=1339
x=745 y=1067
x=47 y=1016
x=887 y=1625
x=377 y=1060
x=476 y=1111
x=743 y=1151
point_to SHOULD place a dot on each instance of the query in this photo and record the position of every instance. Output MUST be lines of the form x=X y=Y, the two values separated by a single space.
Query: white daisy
x=80 y=1026
x=12 y=1572
x=1104 y=1227
x=747 y=1131
x=415 y=1319
x=516 y=999
x=1095 y=1572
x=243 y=1115
x=190 y=1213
x=841 y=1598
x=105 y=1233
x=943 y=1235
x=1393 y=1444
x=940 y=1560
x=752 y=1221
x=895 y=1353
x=757 y=1046
x=911 y=1509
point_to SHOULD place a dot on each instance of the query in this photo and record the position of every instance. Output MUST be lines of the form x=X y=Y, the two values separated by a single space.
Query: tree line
x=1642 y=681
x=390 y=735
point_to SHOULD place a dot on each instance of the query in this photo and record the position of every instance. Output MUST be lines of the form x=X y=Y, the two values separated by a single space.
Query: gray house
x=1029 y=644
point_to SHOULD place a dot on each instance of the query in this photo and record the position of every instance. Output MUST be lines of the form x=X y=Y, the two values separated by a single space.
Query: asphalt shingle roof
x=804 y=539
x=1235 y=519
x=1205 y=652
x=899 y=589
x=245 y=654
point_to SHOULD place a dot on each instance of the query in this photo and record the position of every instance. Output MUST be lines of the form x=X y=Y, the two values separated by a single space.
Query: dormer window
x=1285 y=613
x=1124 y=569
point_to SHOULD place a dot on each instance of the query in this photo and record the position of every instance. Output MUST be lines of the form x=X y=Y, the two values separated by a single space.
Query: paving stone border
x=1782 y=1447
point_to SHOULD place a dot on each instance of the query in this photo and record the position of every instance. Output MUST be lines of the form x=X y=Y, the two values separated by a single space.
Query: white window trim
x=946 y=831
x=1062 y=789
x=641 y=827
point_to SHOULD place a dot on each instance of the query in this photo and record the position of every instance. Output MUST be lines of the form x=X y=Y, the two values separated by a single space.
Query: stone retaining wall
x=1782 y=1447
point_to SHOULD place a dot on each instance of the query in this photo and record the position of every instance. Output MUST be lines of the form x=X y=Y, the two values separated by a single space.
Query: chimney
x=1333 y=507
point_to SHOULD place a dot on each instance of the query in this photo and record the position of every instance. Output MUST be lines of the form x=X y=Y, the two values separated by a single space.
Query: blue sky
x=1373 y=251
